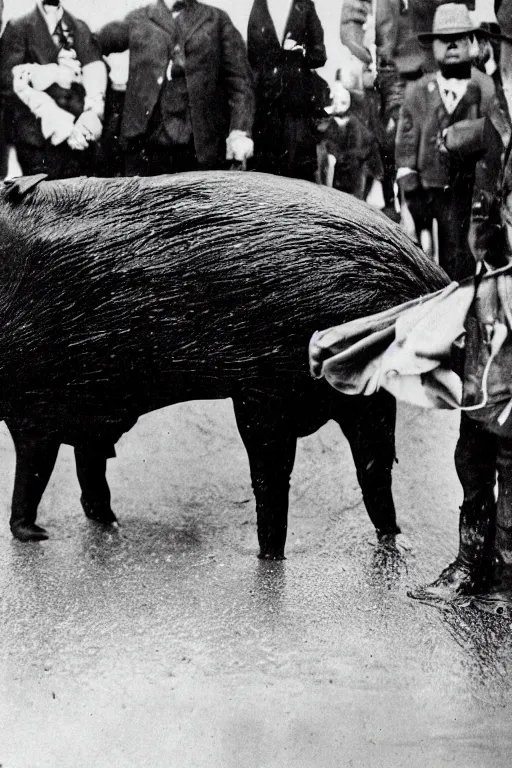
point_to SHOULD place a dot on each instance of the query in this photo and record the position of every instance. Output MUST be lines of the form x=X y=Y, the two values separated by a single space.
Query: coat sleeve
x=237 y=77
x=408 y=131
x=114 y=37
x=490 y=107
x=386 y=28
x=90 y=50
x=12 y=53
x=316 y=55
x=354 y=14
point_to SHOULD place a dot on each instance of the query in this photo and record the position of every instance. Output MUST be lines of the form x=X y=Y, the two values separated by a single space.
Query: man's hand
x=90 y=125
x=239 y=146
x=78 y=139
x=292 y=45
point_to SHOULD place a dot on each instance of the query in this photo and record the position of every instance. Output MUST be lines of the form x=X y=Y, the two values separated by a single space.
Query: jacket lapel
x=190 y=19
x=41 y=38
x=436 y=103
x=193 y=18
x=160 y=15
x=261 y=25
x=295 y=25
x=469 y=106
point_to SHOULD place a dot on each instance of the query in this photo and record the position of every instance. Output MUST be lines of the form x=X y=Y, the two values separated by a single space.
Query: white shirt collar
x=51 y=14
x=452 y=90
x=280 y=11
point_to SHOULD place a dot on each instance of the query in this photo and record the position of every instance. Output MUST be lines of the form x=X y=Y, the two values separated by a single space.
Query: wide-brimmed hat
x=449 y=19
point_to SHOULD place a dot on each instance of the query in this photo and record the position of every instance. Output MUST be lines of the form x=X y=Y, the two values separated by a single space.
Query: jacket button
x=160 y=80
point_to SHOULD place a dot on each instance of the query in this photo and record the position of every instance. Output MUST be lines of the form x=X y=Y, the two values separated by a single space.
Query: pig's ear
x=18 y=188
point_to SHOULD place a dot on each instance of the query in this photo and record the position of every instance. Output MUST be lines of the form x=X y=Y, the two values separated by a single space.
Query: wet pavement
x=167 y=643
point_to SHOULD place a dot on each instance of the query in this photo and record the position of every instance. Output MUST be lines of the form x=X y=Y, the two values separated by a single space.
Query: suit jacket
x=285 y=75
x=217 y=72
x=27 y=40
x=423 y=117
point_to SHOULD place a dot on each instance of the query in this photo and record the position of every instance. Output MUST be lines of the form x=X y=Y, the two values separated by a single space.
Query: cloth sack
x=409 y=351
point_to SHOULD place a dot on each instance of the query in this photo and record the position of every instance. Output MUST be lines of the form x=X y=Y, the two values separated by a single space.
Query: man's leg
x=32 y=160
x=60 y=162
x=452 y=210
x=475 y=462
x=136 y=161
x=500 y=588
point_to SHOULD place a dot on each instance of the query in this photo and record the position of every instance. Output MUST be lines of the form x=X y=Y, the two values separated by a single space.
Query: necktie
x=63 y=37
x=450 y=99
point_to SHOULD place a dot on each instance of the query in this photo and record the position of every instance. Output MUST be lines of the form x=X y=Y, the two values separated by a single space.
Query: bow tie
x=178 y=5
x=55 y=3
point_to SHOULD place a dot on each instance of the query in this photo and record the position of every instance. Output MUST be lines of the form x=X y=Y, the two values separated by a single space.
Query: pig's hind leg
x=368 y=423
x=267 y=433
x=91 y=470
x=35 y=460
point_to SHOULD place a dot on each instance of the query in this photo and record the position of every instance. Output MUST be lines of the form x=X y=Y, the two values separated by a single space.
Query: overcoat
x=217 y=72
x=283 y=75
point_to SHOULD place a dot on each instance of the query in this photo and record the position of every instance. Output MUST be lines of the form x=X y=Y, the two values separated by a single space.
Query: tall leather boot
x=469 y=572
x=497 y=596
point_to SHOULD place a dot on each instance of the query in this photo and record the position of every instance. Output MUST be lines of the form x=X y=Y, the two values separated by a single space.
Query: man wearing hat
x=458 y=104
x=400 y=58
x=436 y=184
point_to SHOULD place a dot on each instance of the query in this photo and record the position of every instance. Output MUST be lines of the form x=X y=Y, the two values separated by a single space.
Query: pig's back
x=207 y=272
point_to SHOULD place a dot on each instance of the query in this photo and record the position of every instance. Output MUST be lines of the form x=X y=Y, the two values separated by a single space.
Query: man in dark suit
x=283 y=49
x=435 y=184
x=53 y=82
x=400 y=60
x=189 y=88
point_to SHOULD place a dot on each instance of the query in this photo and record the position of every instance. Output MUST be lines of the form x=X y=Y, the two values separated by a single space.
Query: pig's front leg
x=35 y=460
x=91 y=470
x=270 y=444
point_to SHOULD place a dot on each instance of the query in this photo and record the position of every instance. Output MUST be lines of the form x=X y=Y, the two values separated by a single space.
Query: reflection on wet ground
x=167 y=643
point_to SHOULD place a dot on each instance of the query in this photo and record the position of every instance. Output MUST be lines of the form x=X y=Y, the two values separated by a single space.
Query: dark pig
x=122 y=296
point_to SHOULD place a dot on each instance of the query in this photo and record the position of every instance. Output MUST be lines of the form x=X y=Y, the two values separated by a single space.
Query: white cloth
x=452 y=90
x=52 y=14
x=56 y=123
x=404 y=350
x=94 y=80
x=279 y=11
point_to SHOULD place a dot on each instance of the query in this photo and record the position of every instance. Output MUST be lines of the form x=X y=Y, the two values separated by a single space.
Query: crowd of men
x=198 y=97
x=190 y=97
x=427 y=122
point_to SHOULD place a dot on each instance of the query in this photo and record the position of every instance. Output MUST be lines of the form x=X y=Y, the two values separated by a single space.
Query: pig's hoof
x=98 y=514
x=29 y=532
x=271 y=556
